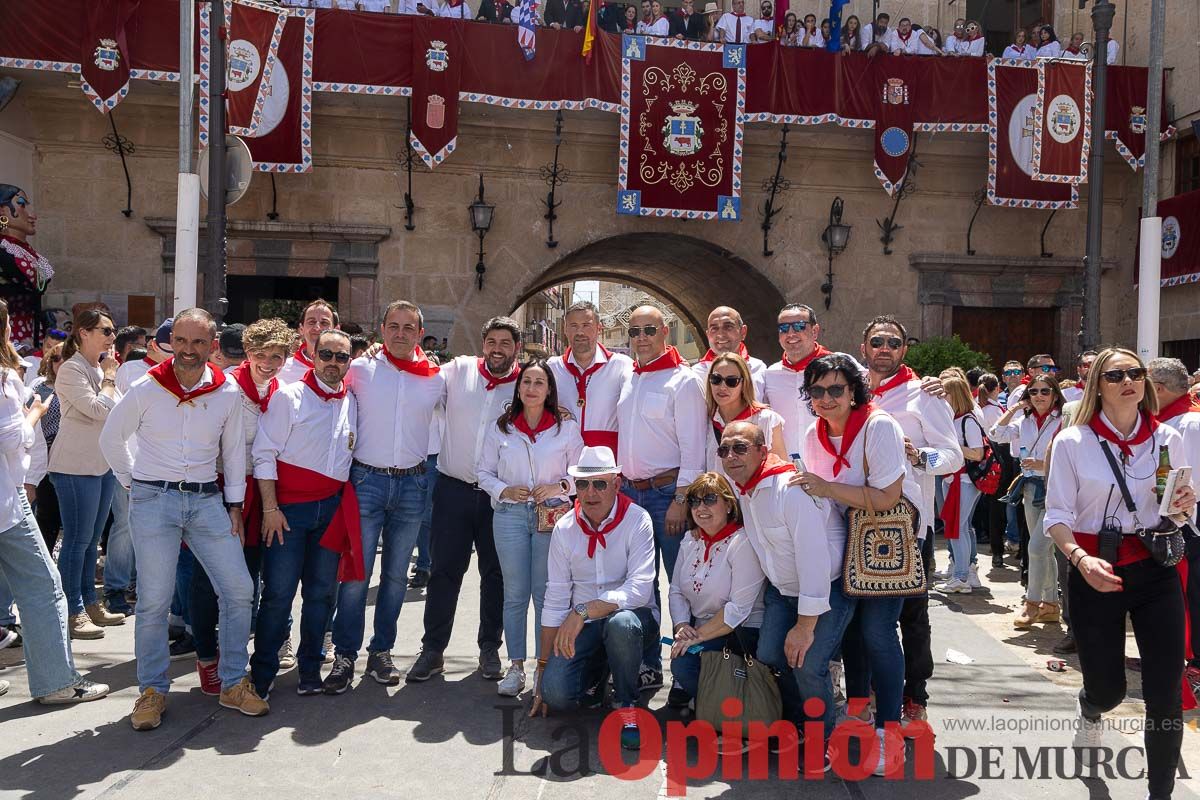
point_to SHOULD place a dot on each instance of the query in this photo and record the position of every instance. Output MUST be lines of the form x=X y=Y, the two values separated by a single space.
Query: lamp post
x=481 y=223
x=835 y=237
x=1102 y=17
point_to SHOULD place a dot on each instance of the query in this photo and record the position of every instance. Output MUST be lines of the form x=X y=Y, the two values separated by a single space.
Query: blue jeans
x=391 y=508
x=181 y=598
x=424 y=558
x=686 y=668
x=27 y=572
x=299 y=560
x=160 y=520
x=656 y=502
x=118 y=553
x=1042 y=586
x=84 y=501
x=522 y=552
x=872 y=655
x=962 y=549
x=615 y=643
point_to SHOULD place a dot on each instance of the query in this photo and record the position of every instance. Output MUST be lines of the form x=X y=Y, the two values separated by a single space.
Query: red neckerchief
x=492 y=380
x=855 y=423
x=301 y=356
x=581 y=378
x=150 y=361
x=597 y=536
x=902 y=376
x=724 y=533
x=1073 y=50
x=1025 y=380
x=1145 y=431
x=164 y=375
x=310 y=380
x=799 y=366
x=547 y=422
x=668 y=360
x=241 y=374
x=771 y=465
x=719 y=424
x=1177 y=407
x=742 y=351
x=904 y=38
x=1040 y=419
x=418 y=365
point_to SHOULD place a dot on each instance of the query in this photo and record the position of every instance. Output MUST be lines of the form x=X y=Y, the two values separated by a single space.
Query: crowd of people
x=239 y=468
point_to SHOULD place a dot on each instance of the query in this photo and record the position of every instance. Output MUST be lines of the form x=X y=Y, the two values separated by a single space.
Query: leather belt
x=667 y=478
x=393 y=472
x=187 y=487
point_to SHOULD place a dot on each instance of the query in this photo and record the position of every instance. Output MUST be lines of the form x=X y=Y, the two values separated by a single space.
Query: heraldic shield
x=437 y=73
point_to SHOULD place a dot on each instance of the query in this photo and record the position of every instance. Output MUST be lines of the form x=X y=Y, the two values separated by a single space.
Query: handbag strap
x=866 y=431
x=1119 y=475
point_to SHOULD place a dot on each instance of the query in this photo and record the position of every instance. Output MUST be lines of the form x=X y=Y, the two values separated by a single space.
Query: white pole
x=1149 y=274
x=187 y=202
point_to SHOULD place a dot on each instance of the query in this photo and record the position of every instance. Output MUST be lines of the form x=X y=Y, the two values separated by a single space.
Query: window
x=1001 y=18
x=1187 y=164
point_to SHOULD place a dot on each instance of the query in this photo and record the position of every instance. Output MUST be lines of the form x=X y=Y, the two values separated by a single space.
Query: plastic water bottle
x=1024 y=455
x=798 y=463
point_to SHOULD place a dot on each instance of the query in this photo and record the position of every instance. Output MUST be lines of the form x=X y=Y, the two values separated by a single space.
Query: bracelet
x=1075 y=562
x=269 y=510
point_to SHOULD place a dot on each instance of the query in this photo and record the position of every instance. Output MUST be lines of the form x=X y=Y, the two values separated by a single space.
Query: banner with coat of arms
x=1125 y=116
x=682 y=119
x=1062 y=121
x=437 y=58
x=254 y=34
x=1180 y=240
x=896 y=78
x=104 y=61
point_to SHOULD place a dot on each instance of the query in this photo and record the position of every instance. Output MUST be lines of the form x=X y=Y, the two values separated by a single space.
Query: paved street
x=446 y=738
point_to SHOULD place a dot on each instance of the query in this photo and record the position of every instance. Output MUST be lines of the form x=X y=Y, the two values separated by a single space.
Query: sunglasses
x=741 y=448
x=596 y=483
x=893 y=342
x=835 y=391
x=1010 y=373
x=106 y=331
x=1135 y=374
x=645 y=330
x=1045 y=391
x=329 y=355
x=1048 y=368
x=732 y=381
x=708 y=500
x=798 y=327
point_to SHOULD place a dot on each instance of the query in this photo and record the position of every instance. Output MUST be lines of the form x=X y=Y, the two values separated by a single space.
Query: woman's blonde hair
x=746 y=386
x=715 y=483
x=45 y=369
x=267 y=333
x=958 y=393
x=1091 y=403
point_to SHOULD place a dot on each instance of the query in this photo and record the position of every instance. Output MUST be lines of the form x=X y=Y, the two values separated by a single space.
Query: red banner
x=894 y=79
x=1062 y=121
x=104 y=62
x=254 y=34
x=1180 y=239
x=437 y=64
x=681 y=129
x=1125 y=113
x=1012 y=97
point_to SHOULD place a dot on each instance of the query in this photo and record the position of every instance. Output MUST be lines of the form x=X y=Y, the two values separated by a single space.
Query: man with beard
x=477 y=390
x=589 y=378
x=931 y=443
x=1083 y=365
x=798 y=334
x=727 y=334
x=318 y=316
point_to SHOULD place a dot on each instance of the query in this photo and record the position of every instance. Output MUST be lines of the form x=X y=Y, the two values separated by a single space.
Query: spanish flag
x=589 y=32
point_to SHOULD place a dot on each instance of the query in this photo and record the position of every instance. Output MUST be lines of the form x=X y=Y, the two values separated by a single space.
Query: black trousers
x=203 y=603
x=462 y=518
x=915 y=636
x=46 y=513
x=997 y=521
x=1153 y=600
x=1193 y=595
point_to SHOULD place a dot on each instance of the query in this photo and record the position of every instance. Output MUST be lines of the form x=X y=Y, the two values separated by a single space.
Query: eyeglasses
x=329 y=355
x=596 y=483
x=1045 y=391
x=709 y=500
x=741 y=448
x=645 y=330
x=798 y=327
x=1135 y=374
x=1048 y=368
x=732 y=381
x=1011 y=373
x=893 y=342
x=106 y=331
x=835 y=391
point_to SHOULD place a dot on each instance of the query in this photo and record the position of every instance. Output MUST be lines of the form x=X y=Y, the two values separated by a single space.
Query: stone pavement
x=447 y=738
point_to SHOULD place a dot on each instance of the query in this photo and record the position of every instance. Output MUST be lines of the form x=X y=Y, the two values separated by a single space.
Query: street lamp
x=835 y=237
x=481 y=223
x=1102 y=18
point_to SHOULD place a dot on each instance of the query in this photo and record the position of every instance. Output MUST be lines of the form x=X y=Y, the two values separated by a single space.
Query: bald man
x=727 y=334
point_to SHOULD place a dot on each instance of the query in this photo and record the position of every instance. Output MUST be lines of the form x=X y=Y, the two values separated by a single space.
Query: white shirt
x=952 y=44
x=816 y=40
x=293 y=370
x=178 y=442
x=661 y=417
x=435 y=431
x=971 y=47
x=621 y=573
x=1025 y=52
x=395 y=412
x=1015 y=395
x=1049 y=50
x=1188 y=425
x=661 y=27
x=884 y=442
x=766 y=26
x=16 y=438
x=783 y=392
x=728 y=26
x=463 y=11
x=731 y=580
x=897 y=44
x=470 y=409
x=991 y=412
x=765 y=418
x=1024 y=432
x=758 y=371
x=1114 y=50
x=1072 y=393
x=303 y=430
x=1076 y=56
x=129 y=372
x=35 y=363
x=787 y=531
x=250 y=415
x=868 y=35
x=603 y=389
x=375 y=5
x=510 y=459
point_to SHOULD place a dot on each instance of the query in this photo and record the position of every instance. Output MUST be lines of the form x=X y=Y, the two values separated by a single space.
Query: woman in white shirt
x=658 y=25
x=961 y=494
x=790 y=35
x=729 y=392
x=1020 y=48
x=1084 y=498
x=1048 y=44
x=973 y=44
x=991 y=410
x=523 y=467
x=1040 y=410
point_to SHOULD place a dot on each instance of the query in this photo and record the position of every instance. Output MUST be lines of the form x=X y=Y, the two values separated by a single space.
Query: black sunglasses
x=1045 y=391
x=106 y=331
x=798 y=327
x=835 y=391
x=741 y=448
x=893 y=342
x=329 y=355
x=732 y=381
x=596 y=483
x=1135 y=374
x=708 y=500
x=645 y=330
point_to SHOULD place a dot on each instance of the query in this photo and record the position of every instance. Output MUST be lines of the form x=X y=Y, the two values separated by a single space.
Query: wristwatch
x=231 y=506
x=680 y=498
x=581 y=610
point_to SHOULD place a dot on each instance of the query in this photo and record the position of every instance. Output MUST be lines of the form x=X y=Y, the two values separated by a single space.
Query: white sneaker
x=891 y=753
x=1089 y=737
x=836 y=671
x=328 y=648
x=973 y=577
x=287 y=656
x=82 y=691
x=513 y=682
x=953 y=586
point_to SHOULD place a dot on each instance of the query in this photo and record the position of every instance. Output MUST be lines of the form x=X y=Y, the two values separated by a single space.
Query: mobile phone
x=1180 y=476
x=694 y=649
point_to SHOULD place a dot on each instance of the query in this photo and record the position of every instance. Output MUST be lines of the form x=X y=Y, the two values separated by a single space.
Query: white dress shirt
x=621 y=572
x=395 y=412
x=765 y=418
x=1072 y=393
x=470 y=409
x=1024 y=432
x=129 y=372
x=16 y=438
x=766 y=26
x=510 y=459
x=971 y=47
x=250 y=416
x=783 y=393
x=303 y=430
x=435 y=430
x=377 y=6
x=660 y=27
x=991 y=413
x=868 y=35
x=816 y=40
x=758 y=371
x=1077 y=55
x=603 y=388
x=662 y=421
x=1025 y=52
x=293 y=370
x=731 y=31
x=898 y=44
x=1050 y=50
x=731 y=579
x=178 y=442
x=463 y=11
x=952 y=45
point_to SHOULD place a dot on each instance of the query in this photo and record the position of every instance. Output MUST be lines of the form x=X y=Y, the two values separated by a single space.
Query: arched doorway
x=691 y=274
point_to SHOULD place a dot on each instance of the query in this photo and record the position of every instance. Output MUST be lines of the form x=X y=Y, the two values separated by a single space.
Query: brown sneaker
x=82 y=627
x=148 y=711
x=103 y=617
x=243 y=698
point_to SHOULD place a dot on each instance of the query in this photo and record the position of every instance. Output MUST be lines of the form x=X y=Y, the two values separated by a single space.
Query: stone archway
x=691 y=274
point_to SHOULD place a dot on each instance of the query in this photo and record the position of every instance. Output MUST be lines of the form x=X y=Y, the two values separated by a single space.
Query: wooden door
x=1006 y=334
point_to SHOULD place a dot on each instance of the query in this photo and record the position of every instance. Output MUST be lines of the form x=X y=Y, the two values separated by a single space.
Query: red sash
x=597 y=536
x=772 y=465
x=799 y=366
x=164 y=375
x=241 y=374
x=344 y=534
x=251 y=511
x=418 y=365
x=668 y=360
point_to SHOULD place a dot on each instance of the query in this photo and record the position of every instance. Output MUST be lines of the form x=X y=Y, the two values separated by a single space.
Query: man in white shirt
x=727 y=334
x=662 y=421
x=1083 y=365
x=590 y=379
x=598 y=608
x=416 y=7
x=875 y=34
x=158 y=350
x=185 y=415
x=956 y=38
x=657 y=25
x=903 y=41
x=454 y=10
x=1074 y=49
x=798 y=334
x=397 y=391
x=477 y=391
x=318 y=316
x=1040 y=364
x=735 y=27
x=764 y=26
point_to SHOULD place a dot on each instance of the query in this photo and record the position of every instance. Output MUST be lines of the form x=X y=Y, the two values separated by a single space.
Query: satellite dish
x=239 y=168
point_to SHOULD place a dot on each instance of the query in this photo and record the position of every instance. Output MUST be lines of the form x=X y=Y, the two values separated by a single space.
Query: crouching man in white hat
x=598 y=610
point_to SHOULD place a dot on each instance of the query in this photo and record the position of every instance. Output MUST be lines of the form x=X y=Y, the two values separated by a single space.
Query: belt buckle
x=179 y=486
